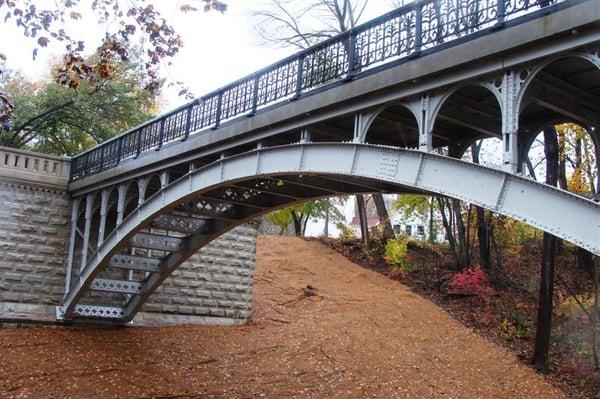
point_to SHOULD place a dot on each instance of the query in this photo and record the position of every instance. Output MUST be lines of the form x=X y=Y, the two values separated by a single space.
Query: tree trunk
x=561 y=142
x=362 y=215
x=431 y=232
x=483 y=228
x=544 y=317
x=304 y=223
x=530 y=168
x=326 y=228
x=297 y=219
x=447 y=226
x=483 y=237
x=463 y=245
x=384 y=218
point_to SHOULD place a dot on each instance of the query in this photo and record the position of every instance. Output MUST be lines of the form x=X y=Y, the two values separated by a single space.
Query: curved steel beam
x=561 y=213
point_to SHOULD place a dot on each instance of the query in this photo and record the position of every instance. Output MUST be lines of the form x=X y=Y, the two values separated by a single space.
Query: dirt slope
x=361 y=335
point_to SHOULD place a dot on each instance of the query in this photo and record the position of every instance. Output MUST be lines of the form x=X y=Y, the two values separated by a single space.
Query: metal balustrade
x=407 y=32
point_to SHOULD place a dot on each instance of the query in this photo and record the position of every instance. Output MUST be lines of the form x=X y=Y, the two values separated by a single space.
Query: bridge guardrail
x=406 y=32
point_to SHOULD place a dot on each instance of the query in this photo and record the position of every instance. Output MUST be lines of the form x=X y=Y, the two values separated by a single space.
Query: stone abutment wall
x=214 y=286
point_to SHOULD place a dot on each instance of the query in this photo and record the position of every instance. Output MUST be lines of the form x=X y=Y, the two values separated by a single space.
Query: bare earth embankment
x=357 y=334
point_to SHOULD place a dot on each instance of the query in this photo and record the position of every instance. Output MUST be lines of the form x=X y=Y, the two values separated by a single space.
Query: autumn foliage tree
x=46 y=22
x=53 y=118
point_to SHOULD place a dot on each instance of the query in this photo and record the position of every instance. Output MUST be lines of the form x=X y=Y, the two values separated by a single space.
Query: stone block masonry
x=213 y=286
x=217 y=281
x=34 y=230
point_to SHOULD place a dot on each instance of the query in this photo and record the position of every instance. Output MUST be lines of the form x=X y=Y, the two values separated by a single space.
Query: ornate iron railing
x=403 y=33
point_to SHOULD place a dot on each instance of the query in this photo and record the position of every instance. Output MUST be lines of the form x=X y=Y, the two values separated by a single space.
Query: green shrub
x=516 y=324
x=347 y=233
x=395 y=254
x=532 y=286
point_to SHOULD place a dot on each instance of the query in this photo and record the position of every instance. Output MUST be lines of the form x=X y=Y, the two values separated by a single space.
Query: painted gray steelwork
x=139 y=213
x=293 y=173
x=505 y=61
x=418 y=28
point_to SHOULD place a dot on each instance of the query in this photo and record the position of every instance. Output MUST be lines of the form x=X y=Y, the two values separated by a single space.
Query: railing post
x=254 y=96
x=299 y=75
x=418 y=28
x=188 y=122
x=351 y=54
x=102 y=151
x=218 y=113
x=120 y=150
x=139 y=142
x=161 y=133
x=500 y=12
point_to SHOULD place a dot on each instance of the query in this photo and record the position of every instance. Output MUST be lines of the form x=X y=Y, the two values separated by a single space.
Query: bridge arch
x=404 y=123
x=233 y=190
x=560 y=89
x=480 y=100
x=531 y=74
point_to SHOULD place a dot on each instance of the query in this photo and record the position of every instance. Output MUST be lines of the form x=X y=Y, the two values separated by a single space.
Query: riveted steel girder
x=566 y=215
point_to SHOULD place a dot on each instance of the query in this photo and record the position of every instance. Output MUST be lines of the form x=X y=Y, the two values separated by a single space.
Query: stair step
x=120 y=286
x=133 y=262
x=158 y=242
x=180 y=224
x=99 y=312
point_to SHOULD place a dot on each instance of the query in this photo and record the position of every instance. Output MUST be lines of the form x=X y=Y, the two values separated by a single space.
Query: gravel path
x=353 y=334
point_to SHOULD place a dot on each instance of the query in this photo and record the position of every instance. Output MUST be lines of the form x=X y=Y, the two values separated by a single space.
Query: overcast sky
x=218 y=48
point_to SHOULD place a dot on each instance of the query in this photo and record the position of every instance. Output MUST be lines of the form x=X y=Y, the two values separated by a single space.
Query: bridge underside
x=171 y=225
x=148 y=199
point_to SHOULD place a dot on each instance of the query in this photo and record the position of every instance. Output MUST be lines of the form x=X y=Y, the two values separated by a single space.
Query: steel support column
x=122 y=191
x=89 y=202
x=425 y=126
x=510 y=121
x=103 y=210
x=69 y=271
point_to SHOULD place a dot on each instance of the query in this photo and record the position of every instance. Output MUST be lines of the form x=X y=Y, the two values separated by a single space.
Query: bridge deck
x=493 y=44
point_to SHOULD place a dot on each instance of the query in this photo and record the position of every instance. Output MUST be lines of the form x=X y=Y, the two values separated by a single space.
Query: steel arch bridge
x=369 y=111
x=209 y=201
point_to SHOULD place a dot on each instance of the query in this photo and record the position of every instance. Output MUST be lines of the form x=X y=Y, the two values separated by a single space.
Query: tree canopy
x=125 y=22
x=58 y=119
x=299 y=215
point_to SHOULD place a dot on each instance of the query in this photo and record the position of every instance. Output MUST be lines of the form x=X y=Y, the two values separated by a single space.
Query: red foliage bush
x=471 y=282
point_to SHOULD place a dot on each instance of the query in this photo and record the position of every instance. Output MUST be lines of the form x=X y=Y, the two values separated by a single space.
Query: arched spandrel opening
x=465 y=115
x=394 y=125
x=577 y=157
x=564 y=95
x=564 y=90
